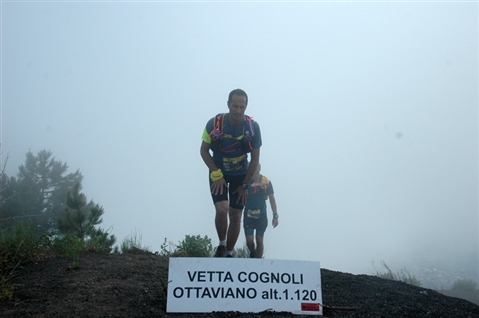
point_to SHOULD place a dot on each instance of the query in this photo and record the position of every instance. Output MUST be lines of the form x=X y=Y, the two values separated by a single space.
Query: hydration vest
x=244 y=142
x=263 y=185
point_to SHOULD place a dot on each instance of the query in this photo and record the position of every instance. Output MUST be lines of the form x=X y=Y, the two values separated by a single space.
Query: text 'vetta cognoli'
x=245 y=277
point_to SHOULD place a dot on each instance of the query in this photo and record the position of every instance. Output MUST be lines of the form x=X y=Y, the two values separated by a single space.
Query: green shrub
x=167 y=248
x=463 y=288
x=100 y=242
x=70 y=245
x=194 y=246
x=465 y=285
x=19 y=245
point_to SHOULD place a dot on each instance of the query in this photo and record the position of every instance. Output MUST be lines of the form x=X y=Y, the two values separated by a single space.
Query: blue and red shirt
x=230 y=155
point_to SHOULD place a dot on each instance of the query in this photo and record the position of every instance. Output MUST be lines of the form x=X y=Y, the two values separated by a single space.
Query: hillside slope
x=131 y=285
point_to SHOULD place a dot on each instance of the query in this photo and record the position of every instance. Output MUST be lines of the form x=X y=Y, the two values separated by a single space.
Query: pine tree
x=39 y=191
x=81 y=218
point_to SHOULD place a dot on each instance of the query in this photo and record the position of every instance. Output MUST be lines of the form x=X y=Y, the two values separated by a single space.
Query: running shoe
x=220 y=251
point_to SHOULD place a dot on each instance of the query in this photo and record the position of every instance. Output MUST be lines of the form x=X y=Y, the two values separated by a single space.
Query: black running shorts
x=233 y=183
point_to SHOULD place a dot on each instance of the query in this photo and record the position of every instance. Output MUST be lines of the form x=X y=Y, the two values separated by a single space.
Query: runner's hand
x=275 y=222
x=218 y=186
x=242 y=195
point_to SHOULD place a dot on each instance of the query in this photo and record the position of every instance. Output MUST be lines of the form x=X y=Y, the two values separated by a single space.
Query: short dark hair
x=238 y=92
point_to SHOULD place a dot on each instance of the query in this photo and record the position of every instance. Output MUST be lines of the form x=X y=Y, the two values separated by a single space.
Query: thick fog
x=368 y=113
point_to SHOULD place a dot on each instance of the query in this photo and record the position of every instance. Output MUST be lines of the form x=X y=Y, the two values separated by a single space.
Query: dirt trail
x=134 y=285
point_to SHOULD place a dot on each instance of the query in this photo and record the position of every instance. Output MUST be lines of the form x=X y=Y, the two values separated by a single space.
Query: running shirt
x=257 y=196
x=230 y=157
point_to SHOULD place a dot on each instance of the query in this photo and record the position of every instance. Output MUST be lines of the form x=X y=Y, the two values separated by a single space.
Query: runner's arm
x=272 y=202
x=205 y=154
x=219 y=185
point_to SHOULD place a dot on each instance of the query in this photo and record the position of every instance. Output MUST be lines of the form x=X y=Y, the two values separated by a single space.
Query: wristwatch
x=275 y=216
x=245 y=186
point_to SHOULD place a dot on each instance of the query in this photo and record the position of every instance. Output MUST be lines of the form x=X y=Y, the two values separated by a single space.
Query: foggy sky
x=368 y=112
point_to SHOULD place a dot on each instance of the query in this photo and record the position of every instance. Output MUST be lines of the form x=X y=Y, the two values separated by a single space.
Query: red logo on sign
x=309 y=306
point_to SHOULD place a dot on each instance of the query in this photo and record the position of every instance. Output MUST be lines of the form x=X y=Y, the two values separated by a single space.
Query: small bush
x=167 y=248
x=464 y=288
x=179 y=254
x=19 y=245
x=195 y=246
x=465 y=285
x=100 y=242
x=70 y=245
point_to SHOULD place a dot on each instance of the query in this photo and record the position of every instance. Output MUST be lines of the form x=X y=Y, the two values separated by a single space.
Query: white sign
x=244 y=285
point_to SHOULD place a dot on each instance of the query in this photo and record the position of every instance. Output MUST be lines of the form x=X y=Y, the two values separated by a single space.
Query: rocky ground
x=134 y=285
